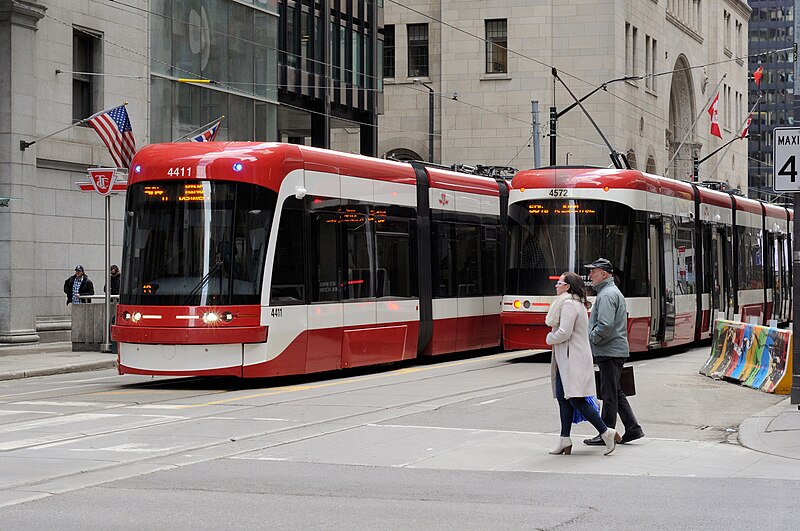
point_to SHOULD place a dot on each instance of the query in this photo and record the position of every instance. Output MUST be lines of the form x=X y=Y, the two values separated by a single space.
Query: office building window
x=650 y=62
x=417 y=50
x=388 y=50
x=85 y=60
x=496 y=46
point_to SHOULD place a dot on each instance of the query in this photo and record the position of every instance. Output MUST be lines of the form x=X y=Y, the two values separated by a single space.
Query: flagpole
x=201 y=128
x=689 y=132
x=23 y=145
x=719 y=159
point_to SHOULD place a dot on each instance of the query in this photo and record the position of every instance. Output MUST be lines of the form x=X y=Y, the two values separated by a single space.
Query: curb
x=754 y=433
x=63 y=369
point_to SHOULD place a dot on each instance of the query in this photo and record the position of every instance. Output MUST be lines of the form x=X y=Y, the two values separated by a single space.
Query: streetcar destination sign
x=786 y=159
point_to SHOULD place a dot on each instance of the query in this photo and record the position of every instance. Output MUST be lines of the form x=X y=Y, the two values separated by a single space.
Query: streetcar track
x=401 y=409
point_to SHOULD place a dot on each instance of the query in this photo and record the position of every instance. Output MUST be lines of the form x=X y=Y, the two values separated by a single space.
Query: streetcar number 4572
x=557 y=192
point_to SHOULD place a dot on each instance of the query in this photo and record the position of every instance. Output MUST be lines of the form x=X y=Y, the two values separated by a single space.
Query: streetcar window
x=195 y=243
x=443 y=242
x=324 y=244
x=466 y=255
x=685 y=256
x=394 y=274
x=359 y=252
x=288 y=271
x=750 y=258
x=548 y=237
x=492 y=257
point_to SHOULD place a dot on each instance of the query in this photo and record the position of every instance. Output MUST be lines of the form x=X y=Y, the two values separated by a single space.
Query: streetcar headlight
x=227 y=317
x=136 y=317
x=517 y=304
x=210 y=317
x=526 y=304
x=126 y=316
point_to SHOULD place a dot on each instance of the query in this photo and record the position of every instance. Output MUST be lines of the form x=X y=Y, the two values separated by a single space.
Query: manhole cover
x=693 y=386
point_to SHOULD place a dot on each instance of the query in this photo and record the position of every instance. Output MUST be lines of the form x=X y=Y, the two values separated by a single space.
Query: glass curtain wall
x=233 y=44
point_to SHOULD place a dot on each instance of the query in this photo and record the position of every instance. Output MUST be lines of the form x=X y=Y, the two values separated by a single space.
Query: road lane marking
x=67 y=404
x=295 y=388
x=135 y=448
x=28 y=412
x=57 y=421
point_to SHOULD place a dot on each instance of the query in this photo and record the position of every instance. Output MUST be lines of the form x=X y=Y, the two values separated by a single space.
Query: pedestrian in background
x=77 y=286
x=608 y=336
x=571 y=368
x=115 y=276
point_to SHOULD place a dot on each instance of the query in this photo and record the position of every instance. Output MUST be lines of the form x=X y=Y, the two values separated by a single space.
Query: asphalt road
x=459 y=444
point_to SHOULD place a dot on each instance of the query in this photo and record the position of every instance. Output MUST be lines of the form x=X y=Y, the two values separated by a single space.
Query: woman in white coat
x=572 y=367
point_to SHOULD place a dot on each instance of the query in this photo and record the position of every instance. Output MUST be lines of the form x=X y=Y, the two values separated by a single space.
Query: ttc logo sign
x=103 y=181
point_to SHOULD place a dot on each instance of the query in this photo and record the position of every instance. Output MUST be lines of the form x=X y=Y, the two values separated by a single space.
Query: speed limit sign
x=786 y=159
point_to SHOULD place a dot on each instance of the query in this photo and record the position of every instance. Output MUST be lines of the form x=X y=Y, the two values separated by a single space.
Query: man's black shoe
x=594 y=441
x=632 y=436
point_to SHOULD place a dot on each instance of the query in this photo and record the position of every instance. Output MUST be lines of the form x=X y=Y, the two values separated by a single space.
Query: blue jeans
x=567 y=407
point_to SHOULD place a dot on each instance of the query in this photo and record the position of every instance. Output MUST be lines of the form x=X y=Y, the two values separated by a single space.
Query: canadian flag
x=746 y=126
x=714 y=113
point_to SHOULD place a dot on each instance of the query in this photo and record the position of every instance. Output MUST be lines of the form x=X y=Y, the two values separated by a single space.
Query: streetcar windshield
x=549 y=237
x=195 y=243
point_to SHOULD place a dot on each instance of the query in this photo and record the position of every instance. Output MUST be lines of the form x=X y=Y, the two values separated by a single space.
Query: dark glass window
x=549 y=237
x=324 y=244
x=356 y=228
x=468 y=260
x=85 y=50
x=388 y=50
x=288 y=271
x=395 y=277
x=443 y=240
x=417 y=50
x=492 y=258
x=195 y=243
x=496 y=46
x=751 y=264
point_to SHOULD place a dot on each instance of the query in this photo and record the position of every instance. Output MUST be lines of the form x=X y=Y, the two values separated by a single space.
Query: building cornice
x=741 y=7
x=21 y=13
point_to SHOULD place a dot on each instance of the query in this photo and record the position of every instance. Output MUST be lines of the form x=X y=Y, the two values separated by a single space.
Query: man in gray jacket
x=608 y=336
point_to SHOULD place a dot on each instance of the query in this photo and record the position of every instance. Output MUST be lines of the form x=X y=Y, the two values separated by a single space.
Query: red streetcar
x=257 y=259
x=683 y=252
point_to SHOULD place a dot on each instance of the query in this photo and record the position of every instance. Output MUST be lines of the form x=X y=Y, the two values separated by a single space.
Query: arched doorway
x=403 y=155
x=682 y=112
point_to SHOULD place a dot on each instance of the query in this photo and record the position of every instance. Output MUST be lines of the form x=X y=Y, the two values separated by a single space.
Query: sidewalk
x=774 y=431
x=27 y=361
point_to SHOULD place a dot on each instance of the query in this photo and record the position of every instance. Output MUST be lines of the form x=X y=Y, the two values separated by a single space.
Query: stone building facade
x=64 y=61
x=486 y=61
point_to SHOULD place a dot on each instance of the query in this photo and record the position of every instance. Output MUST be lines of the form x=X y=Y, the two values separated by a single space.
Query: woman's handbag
x=626 y=380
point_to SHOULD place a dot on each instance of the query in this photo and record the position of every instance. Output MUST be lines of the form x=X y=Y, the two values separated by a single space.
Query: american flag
x=209 y=134
x=115 y=131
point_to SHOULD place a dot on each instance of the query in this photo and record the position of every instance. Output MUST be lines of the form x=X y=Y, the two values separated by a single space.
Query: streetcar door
x=719 y=283
x=657 y=301
x=670 y=266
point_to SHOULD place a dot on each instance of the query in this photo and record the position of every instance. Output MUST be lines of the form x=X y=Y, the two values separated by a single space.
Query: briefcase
x=626 y=381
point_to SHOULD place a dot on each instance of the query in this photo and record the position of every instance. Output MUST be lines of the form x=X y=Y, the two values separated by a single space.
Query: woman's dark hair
x=576 y=287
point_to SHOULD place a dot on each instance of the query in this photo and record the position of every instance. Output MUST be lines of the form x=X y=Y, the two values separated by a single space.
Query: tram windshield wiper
x=201 y=283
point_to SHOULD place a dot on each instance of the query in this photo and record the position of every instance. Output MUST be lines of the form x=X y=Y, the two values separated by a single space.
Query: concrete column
x=18 y=21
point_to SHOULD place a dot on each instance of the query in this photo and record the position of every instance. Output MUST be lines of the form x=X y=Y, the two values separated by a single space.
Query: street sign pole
x=795 y=394
x=106 y=346
x=786 y=160
x=104 y=182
